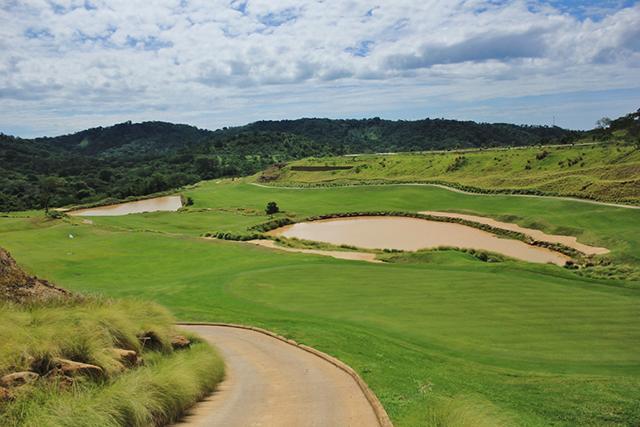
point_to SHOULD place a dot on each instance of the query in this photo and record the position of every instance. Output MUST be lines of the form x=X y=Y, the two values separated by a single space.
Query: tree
x=48 y=187
x=603 y=123
x=272 y=208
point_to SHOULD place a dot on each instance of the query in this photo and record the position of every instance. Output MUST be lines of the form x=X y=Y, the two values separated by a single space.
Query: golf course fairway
x=438 y=335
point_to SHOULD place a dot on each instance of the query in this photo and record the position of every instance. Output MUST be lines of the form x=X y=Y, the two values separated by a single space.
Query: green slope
x=513 y=343
x=607 y=172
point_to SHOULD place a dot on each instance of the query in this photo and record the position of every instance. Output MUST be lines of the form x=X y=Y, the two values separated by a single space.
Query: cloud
x=483 y=47
x=64 y=59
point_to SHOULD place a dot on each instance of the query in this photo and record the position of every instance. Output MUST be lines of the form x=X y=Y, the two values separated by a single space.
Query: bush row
x=225 y=235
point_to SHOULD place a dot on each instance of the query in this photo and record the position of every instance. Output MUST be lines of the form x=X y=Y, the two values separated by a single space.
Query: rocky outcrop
x=5 y=395
x=179 y=342
x=72 y=368
x=128 y=358
x=17 y=379
x=17 y=286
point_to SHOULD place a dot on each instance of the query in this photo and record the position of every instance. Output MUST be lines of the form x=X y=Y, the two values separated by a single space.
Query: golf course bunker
x=352 y=256
x=411 y=234
x=568 y=241
x=166 y=203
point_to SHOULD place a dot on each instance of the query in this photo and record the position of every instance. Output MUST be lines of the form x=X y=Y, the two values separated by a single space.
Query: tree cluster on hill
x=377 y=135
x=135 y=159
x=625 y=128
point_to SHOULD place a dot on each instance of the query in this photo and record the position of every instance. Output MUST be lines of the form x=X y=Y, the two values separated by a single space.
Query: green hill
x=135 y=159
x=606 y=172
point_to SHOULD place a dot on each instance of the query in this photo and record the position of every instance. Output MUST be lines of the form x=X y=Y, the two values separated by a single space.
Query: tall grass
x=82 y=330
x=152 y=395
x=87 y=330
x=464 y=412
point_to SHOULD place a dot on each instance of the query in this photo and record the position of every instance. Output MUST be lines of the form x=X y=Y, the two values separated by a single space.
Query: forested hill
x=133 y=159
x=377 y=135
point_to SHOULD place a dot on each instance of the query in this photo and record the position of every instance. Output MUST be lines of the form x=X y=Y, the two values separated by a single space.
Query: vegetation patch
x=425 y=255
x=602 y=172
x=66 y=358
x=319 y=168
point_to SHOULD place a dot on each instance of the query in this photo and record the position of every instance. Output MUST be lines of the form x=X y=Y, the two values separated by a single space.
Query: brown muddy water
x=411 y=234
x=166 y=203
x=569 y=241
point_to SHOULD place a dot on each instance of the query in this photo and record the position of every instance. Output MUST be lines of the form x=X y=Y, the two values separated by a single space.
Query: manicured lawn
x=529 y=344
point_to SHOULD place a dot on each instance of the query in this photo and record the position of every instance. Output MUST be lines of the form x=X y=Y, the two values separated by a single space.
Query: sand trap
x=166 y=203
x=354 y=256
x=569 y=241
x=411 y=234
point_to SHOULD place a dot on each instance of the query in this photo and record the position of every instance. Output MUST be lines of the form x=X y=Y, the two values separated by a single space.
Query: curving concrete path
x=272 y=383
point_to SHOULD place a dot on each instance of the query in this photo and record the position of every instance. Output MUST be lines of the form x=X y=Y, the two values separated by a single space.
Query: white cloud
x=68 y=64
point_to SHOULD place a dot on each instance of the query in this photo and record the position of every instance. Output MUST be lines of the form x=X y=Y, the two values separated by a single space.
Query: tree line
x=135 y=159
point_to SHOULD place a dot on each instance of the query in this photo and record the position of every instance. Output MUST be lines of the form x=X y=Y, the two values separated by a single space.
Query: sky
x=66 y=65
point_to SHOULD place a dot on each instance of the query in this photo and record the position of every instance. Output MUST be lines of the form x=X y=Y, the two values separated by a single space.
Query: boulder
x=126 y=357
x=17 y=379
x=71 y=368
x=179 y=342
x=5 y=395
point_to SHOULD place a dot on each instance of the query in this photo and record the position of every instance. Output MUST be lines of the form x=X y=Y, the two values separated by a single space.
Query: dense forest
x=134 y=159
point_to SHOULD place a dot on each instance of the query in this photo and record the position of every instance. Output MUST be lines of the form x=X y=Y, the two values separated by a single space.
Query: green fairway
x=521 y=343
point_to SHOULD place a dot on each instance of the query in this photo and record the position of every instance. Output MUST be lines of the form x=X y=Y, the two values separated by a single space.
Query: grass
x=607 y=172
x=439 y=338
x=154 y=395
x=86 y=330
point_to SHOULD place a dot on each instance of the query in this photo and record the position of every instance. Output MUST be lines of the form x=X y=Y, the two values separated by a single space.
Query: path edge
x=378 y=409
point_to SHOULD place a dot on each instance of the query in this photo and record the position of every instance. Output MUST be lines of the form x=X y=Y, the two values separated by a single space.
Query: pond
x=411 y=234
x=166 y=203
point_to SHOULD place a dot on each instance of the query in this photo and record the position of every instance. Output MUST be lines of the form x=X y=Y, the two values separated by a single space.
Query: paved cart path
x=272 y=383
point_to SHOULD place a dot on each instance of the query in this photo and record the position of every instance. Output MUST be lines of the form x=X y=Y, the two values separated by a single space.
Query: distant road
x=272 y=383
x=456 y=190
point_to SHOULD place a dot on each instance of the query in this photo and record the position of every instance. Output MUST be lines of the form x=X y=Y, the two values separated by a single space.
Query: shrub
x=272 y=208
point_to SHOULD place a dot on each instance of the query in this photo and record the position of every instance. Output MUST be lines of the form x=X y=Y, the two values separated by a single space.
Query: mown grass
x=607 y=172
x=437 y=338
x=87 y=330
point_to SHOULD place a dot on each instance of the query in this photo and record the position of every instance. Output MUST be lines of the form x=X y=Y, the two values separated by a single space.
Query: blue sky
x=66 y=65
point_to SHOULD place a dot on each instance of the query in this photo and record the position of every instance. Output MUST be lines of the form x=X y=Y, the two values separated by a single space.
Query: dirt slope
x=17 y=286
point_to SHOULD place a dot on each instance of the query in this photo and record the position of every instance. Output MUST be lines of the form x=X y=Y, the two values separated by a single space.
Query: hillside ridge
x=136 y=159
